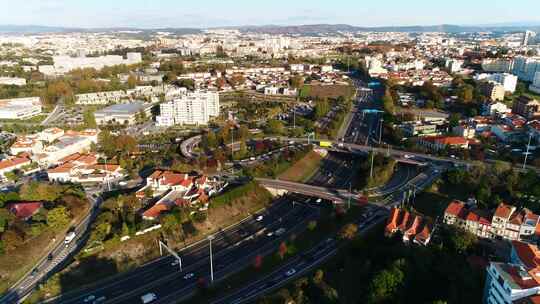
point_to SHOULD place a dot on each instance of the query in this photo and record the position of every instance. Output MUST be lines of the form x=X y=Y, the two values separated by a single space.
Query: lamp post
x=527 y=153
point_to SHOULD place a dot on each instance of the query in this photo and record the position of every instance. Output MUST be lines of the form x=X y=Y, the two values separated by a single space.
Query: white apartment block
x=16 y=81
x=517 y=281
x=66 y=64
x=508 y=81
x=100 y=98
x=498 y=65
x=20 y=108
x=192 y=109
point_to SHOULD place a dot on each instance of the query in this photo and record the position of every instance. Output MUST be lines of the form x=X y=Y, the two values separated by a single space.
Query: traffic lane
x=223 y=239
x=233 y=265
x=300 y=265
x=237 y=253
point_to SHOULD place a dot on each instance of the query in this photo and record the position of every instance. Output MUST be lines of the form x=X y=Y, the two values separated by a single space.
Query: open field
x=302 y=169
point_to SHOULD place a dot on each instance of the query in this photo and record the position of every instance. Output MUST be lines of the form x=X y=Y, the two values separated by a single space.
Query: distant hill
x=310 y=29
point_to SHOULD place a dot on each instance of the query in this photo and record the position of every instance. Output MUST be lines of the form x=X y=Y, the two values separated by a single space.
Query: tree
x=454 y=120
x=132 y=81
x=348 y=232
x=388 y=102
x=58 y=217
x=321 y=109
x=11 y=240
x=89 y=119
x=386 y=283
x=275 y=126
x=466 y=93
x=297 y=81
x=460 y=240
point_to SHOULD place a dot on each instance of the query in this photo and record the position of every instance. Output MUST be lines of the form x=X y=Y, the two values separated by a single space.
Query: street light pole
x=372 y=159
x=210 y=238
x=381 y=128
x=527 y=153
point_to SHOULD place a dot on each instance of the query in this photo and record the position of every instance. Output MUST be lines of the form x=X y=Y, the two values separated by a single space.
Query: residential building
x=71 y=142
x=20 y=108
x=125 y=114
x=194 y=108
x=494 y=108
x=413 y=227
x=526 y=107
x=83 y=168
x=15 y=81
x=506 y=222
x=535 y=86
x=453 y=65
x=419 y=129
x=517 y=281
x=11 y=164
x=442 y=142
x=65 y=64
x=525 y=68
x=508 y=81
x=100 y=98
x=24 y=210
x=498 y=65
x=493 y=90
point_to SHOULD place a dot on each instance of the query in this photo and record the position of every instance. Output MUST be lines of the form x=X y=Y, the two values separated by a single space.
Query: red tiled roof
x=24 y=210
x=392 y=220
x=425 y=234
x=455 y=208
x=503 y=211
x=447 y=140
x=415 y=227
x=404 y=224
x=528 y=254
x=8 y=163
x=156 y=210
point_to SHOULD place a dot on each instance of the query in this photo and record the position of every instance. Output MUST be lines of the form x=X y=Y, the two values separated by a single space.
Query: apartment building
x=493 y=90
x=517 y=281
x=100 y=98
x=526 y=107
x=508 y=81
x=525 y=68
x=535 y=86
x=194 y=108
x=506 y=222
x=498 y=65
x=66 y=64
x=14 y=81
x=20 y=108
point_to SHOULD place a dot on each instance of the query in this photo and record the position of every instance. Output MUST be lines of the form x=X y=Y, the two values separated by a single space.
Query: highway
x=229 y=245
x=56 y=258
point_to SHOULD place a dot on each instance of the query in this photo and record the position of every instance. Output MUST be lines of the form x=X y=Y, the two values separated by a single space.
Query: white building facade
x=191 y=109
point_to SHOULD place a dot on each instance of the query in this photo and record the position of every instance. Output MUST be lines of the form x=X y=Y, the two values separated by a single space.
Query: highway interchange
x=235 y=247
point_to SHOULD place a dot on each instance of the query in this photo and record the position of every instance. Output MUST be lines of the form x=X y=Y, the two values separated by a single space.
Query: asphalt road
x=59 y=255
x=229 y=245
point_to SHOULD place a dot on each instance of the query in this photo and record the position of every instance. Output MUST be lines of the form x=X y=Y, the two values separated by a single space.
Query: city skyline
x=211 y=13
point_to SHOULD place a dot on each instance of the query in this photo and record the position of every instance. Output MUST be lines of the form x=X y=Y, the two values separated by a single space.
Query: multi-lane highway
x=56 y=258
x=229 y=247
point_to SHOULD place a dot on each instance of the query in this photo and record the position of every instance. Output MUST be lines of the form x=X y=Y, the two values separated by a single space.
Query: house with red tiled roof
x=455 y=214
x=83 y=168
x=24 y=210
x=442 y=142
x=392 y=223
x=413 y=226
x=500 y=218
x=12 y=164
x=155 y=211
x=424 y=236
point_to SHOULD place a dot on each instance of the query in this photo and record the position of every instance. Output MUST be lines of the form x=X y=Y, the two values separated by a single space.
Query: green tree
x=386 y=283
x=275 y=126
x=388 y=102
x=58 y=217
x=348 y=232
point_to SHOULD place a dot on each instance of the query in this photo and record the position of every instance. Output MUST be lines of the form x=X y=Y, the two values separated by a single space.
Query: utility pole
x=527 y=153
x=381 y=128
x=210 y=238
x=350 y=192
x=107 y=175
x=372 y=159
x=232 y=149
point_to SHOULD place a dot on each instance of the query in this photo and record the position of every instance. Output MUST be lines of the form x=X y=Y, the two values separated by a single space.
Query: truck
x=325 y=144
x=149 y=297
x=69 y=237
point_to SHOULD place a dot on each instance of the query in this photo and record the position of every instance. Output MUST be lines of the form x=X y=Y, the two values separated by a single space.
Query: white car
x=149 y=297
x=269 y=234
x=189 y=276
x=259 y=218
x=69 y=237
x=290 y=272
x=89 y=298
x=175 y=263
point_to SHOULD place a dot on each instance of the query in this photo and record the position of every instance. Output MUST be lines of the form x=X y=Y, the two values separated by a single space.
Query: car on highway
x=188 y=276
x=259 y=218
x=149 y=297
x=89 y=298
x=269 y=234
x=69 y=237
x=100 y=300
x=280 y=231
x=408 y=156
x=50 y=257
x=290 y=272
x=34 y=272
x=175 y=263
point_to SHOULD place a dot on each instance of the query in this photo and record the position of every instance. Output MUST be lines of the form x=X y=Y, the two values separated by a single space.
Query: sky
x=215 y=13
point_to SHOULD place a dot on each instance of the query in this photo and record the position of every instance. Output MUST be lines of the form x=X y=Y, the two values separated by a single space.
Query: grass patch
x=303 y=169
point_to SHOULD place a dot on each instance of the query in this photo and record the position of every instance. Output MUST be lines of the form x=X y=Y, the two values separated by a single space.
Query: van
x=69 y=237
x=149 y=297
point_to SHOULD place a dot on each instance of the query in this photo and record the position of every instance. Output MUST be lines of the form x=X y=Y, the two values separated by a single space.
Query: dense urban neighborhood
x=270 y=164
